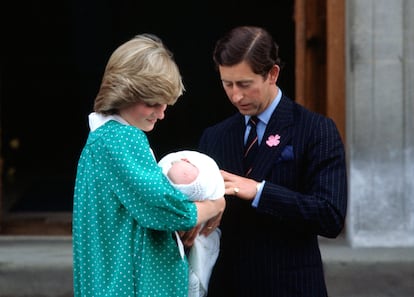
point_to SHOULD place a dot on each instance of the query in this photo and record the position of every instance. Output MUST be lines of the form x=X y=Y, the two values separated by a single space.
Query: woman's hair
x=253 y=45
x=140 y=70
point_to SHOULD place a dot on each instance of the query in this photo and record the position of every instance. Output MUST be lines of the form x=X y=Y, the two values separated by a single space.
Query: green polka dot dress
x=125 y=213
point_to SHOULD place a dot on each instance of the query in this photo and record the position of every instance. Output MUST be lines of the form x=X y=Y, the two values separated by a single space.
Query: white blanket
x=208 y=185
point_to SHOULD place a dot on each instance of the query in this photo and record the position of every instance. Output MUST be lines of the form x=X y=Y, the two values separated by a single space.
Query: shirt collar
x=267 y=113
x=97 y=119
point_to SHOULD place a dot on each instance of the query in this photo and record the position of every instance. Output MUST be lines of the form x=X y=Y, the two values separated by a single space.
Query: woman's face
x=143 y=115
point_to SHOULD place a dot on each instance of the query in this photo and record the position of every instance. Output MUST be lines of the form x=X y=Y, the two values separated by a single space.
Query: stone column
x=380 y=125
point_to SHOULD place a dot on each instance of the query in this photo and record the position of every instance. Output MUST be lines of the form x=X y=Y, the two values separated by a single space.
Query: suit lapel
x=235 y=152
x=280 y=124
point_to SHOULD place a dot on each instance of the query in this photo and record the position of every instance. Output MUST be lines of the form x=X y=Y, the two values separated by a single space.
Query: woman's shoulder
x=121 y=130
x=115 y=132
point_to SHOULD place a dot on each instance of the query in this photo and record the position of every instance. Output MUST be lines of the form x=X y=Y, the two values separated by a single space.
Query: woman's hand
x=209 y=217
x=188 y=237
x=211 y=224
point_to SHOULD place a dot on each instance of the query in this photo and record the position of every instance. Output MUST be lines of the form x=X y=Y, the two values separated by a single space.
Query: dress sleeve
x=141 y=186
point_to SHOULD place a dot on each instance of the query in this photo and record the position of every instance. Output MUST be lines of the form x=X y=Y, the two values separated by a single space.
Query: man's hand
x=239 y=186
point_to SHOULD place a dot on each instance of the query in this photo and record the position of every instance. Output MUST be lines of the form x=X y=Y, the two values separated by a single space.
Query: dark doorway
x=51 y=67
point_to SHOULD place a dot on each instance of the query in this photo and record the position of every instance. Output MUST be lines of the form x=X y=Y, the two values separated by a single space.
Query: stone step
x=41 y=266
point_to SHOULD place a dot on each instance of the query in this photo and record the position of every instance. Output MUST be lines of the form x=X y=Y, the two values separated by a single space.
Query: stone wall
x=380 y=125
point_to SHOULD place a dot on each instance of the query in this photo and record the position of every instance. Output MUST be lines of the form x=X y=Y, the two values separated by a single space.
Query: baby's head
x=182 y=172
x=193 y=173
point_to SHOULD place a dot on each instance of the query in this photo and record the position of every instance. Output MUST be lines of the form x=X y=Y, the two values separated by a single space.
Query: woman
x=126 y=213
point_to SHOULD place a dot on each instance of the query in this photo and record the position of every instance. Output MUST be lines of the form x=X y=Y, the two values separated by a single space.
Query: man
x=295 y=189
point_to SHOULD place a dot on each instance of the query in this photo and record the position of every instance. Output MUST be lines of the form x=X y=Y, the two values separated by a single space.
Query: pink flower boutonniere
x=273 y=140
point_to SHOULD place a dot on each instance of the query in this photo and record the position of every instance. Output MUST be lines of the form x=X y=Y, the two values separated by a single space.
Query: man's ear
x=274 y=74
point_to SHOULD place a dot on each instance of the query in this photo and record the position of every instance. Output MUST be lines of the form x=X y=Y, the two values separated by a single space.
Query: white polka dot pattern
x=124 y=214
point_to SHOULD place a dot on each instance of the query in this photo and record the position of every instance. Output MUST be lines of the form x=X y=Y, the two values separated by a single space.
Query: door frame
x=320 y=58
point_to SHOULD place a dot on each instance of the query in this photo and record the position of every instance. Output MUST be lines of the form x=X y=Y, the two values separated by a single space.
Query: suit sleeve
x=320 y=200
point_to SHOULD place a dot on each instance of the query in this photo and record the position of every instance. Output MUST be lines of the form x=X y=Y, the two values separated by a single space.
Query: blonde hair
x=140 y=70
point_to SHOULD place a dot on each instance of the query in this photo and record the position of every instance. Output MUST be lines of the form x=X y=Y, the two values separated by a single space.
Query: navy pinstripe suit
x=273 y=250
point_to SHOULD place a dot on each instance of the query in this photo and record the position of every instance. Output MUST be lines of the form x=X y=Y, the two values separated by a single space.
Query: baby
x=197 y=176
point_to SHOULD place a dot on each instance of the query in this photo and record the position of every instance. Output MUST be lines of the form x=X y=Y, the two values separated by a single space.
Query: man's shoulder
x=227 y=122
x=303 y=111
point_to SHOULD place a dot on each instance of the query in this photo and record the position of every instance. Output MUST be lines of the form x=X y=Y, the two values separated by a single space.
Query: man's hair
x=253 y=45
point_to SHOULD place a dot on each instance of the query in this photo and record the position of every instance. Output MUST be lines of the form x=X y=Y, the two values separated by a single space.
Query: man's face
x=249 y=92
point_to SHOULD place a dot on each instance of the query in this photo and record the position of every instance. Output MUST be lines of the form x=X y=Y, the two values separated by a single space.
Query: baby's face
x=182 y=172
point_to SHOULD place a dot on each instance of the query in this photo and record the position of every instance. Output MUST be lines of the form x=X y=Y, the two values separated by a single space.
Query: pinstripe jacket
x=273 y=250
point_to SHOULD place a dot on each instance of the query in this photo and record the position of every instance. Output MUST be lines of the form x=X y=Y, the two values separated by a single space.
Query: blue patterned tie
x=251 y=145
